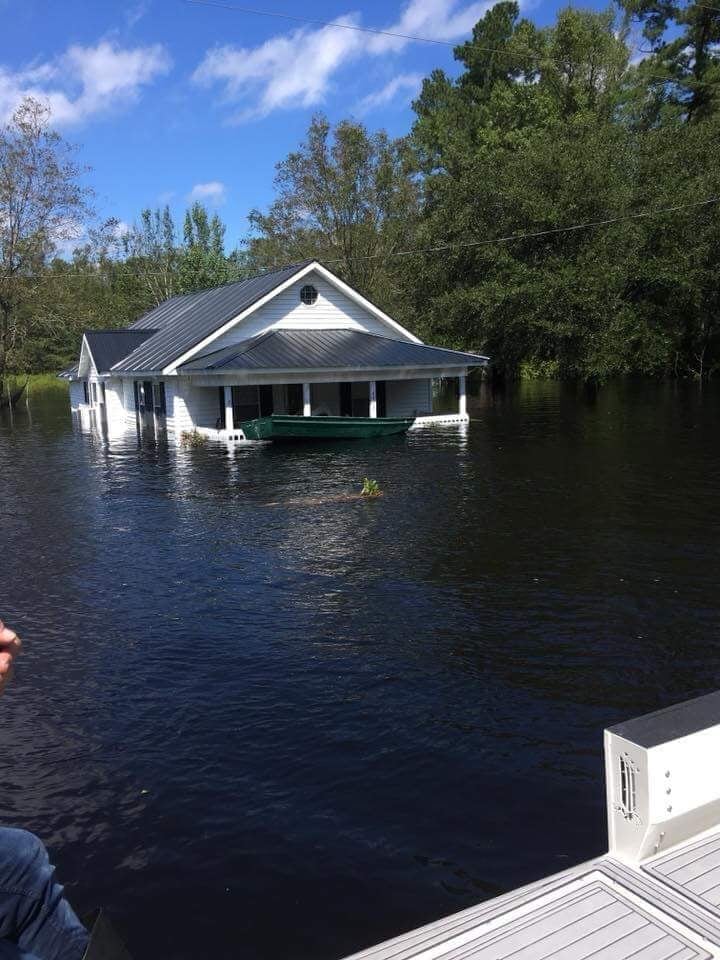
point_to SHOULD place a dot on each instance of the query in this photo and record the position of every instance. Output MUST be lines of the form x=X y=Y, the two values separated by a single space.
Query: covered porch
x=359 y=398
x=333 y=373
x=219 y=410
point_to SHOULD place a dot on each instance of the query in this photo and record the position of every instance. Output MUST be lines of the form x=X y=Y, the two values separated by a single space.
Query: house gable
x=338 y=306
x=86 y=364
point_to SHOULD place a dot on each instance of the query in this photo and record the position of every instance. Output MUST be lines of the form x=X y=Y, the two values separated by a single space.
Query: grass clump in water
x=370 y=488
x=193 y=439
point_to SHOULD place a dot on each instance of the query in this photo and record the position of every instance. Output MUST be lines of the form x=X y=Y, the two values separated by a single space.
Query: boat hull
x=286 y=427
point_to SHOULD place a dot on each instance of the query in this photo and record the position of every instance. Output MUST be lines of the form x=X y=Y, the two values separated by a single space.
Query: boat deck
x=667 y=908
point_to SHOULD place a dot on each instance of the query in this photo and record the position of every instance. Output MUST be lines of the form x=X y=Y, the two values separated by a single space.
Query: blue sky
x=171 y=101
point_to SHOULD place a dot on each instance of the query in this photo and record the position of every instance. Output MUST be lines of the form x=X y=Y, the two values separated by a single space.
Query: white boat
x=655 y=895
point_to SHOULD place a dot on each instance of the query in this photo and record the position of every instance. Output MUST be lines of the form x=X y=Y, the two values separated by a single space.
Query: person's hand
x=10 y=644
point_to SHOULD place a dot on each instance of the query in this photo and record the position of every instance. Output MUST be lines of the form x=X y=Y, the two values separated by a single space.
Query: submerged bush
x=370 y=488
x=192 y=438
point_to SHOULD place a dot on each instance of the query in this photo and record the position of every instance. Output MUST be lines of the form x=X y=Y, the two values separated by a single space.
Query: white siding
x=192 y=406
x=77 y=394
x=114 y=407
x=171 y=388
x=408 y=398
x=332 y=310
x=128 y=401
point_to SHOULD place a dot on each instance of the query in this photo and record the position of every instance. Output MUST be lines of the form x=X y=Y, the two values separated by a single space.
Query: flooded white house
x=295 y=341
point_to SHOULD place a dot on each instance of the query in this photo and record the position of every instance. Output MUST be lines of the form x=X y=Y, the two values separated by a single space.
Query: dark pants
x=36 y=923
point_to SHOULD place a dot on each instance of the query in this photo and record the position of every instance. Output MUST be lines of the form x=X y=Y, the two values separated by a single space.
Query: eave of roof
x=327 y=349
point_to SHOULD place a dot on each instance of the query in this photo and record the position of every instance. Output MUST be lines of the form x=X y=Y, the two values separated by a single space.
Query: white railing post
x=229 y=419
x=307 y=404
x=462 y=393
x=373 y=399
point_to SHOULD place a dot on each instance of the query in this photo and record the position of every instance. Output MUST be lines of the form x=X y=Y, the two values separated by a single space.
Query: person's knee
x=24 y=862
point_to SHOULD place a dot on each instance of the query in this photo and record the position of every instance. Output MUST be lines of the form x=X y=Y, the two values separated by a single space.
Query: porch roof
x=327 y=349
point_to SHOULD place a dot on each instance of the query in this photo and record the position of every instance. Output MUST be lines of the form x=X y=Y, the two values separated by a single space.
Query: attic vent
x=628 y=791
x=308 y=294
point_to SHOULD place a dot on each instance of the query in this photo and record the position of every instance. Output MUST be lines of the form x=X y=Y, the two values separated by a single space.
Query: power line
x=563 y=62
x=437 y=248
x=443 y=247
x=317 y=23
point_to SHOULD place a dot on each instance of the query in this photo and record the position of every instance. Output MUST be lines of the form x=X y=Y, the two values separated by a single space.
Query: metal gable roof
x=109 y=346
x=182 y=322
x=70 y=373
x=317 y=349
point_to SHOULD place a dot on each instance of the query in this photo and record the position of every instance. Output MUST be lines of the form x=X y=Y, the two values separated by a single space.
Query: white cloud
x=298 y=68
x=434 y=19
x=408 y=83
x=135 y=14
x=213 y=193
x=84 y=81
x=285 y=71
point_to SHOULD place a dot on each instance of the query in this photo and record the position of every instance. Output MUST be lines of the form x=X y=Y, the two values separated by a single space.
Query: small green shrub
x=370 y=488
x=192 y=438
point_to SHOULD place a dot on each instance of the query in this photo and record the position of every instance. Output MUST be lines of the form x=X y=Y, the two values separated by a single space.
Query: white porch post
x=373 y=399
x=462 y=391
x=307 y=404
x=229 y=423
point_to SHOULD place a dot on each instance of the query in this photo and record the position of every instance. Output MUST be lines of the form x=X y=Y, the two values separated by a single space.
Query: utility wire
x=437 y=248
x=563 y=62
x=443 y=247
x=317 y=23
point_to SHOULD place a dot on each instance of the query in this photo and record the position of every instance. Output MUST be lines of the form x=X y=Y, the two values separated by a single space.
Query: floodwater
x=258 y=719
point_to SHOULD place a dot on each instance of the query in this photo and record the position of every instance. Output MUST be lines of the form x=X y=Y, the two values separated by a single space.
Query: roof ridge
x=249 y=343
x=255 y=276
x=121 y=330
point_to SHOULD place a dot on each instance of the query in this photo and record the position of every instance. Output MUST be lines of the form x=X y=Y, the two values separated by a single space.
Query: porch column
x=462 y=393
x=307 y=404
x=373 y=399
x=229 y=420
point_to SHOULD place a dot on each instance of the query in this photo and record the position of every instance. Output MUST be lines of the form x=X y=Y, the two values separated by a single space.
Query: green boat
x=286 y=427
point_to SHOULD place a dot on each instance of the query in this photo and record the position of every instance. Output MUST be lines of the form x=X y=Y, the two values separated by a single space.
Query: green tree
x=150 y=251
x=527 y=141
x=684 y=41
x=202 y=260
x=42 y=204
x=346 y=197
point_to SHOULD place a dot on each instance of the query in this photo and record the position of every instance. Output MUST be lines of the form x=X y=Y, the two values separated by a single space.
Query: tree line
x=553 y=205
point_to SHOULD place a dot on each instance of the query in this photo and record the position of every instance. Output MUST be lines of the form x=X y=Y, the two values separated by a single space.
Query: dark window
x=221 y=407
x=361 y=399
x=266 y=400
x=147 y=389
x=136 y=394
x=245 y=404
x=85 y=391
x=346 y=400
x=381 y=397
x=94 y=392
x=160 y=405
x=295 y=399
x=308 y=294
x=102 y=392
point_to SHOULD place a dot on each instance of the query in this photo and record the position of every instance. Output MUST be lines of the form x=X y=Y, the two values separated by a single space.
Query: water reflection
x=244 y=692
